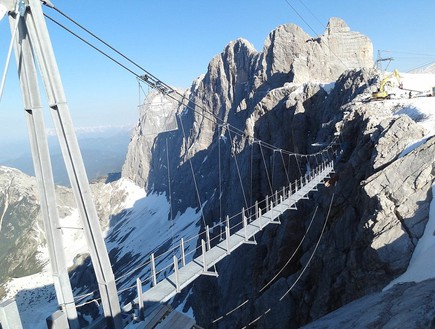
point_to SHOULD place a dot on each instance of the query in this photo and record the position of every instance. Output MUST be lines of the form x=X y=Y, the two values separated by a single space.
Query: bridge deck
x=167 y=288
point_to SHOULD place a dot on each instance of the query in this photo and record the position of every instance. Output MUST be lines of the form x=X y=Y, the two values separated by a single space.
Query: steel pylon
x=33 y=46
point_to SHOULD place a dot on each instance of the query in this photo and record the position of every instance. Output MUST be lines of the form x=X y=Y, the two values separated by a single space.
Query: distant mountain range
x=103 y=152
x=430 y=68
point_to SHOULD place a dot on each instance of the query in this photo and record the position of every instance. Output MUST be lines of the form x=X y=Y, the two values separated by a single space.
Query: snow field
x=144 y=228
x=421 y=110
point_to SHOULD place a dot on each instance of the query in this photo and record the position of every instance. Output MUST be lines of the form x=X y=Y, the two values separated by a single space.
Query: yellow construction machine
x=382 y=93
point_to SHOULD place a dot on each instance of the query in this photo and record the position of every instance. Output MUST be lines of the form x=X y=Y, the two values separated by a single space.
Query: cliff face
x=19 y=219
x=239 y=78
x=380 y=204
x=290 y=51
x=154 y=117
x=22 y=240
x=380 y=209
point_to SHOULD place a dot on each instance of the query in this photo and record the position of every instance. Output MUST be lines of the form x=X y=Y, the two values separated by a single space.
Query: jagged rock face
x=380 y=208
x=20 y=225
x=222 y=91
x=380 y=203
x=410 y=305
x=240 y=77
x=396 y=134
x=22 y=237
x=379 y=213
x=401 y=196
x=346 y=48
x=154 y=118
x=20 y=230
x=290 y=54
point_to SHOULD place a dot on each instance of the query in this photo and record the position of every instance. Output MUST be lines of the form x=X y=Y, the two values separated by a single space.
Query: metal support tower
x=33 y=45
x=381 y=59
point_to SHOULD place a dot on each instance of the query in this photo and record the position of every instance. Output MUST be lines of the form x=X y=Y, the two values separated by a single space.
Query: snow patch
x=328 y=87
x=74 y=242
x=35 y=297
x=413 y=146
x=417 y=82
x=419 y=109
x=422 y=264
x=134 y=191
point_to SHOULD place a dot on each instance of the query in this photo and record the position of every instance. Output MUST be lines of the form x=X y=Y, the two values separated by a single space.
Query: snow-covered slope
x=138 y=225
x=422 y=110
x=422 y=264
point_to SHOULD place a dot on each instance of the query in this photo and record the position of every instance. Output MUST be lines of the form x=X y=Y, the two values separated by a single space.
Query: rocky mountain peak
x=239 y=77
x=336 y=25
x=236 y=53
x=289 y=50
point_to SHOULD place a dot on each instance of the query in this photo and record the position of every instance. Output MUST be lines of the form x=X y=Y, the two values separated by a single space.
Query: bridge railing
x=159 y=267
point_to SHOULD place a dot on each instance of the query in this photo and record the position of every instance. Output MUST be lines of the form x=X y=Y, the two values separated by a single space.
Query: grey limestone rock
x=241 y=77
x=381 y=198
x=408 y=305
x=20 y=225
x=292 y=54
x=155 y=117
x=402 y=192
x=396 y=135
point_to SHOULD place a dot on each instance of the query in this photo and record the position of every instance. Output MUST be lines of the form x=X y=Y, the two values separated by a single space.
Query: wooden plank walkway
x=164 y=290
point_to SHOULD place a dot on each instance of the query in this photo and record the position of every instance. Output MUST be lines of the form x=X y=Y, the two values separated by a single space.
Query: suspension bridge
x=238 y=230
x=242 y=232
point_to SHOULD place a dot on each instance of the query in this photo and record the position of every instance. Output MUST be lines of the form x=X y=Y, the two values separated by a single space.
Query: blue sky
x=175 y=41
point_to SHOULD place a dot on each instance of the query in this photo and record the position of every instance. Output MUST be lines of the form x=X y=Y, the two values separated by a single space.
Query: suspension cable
x=193 y=172
x=285 y=167
x=314 y=251
x=238 y=172
x=273 y=166
x=302 y=271
x=283 y=267
x=104 y=43
x=325 y=43
x=168 y=91
x=294 y=253
x=220 y=172
x=188 y=239
x=265 y=168
x=303 y=19
x=299 y=167
x=312 y=14
x=154 y=82
x=170 y=192
x=252 y=173
x=92 y=46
